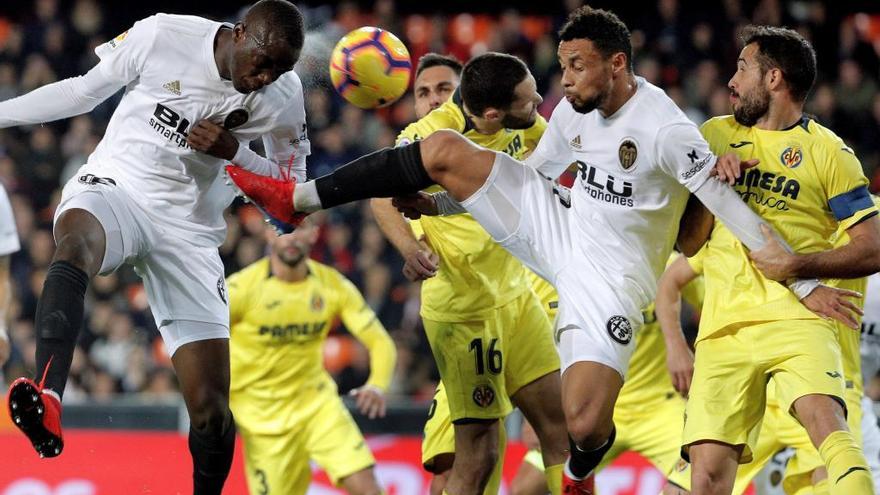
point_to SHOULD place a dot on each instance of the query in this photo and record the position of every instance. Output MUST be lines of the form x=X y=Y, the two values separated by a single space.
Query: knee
x=707 y=481
x=78 y=249
x=587 y=426
x=209 y=412
x=478 y=463
x=438 y=149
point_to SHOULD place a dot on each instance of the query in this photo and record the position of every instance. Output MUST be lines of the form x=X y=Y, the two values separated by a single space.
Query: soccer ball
x=370 y=67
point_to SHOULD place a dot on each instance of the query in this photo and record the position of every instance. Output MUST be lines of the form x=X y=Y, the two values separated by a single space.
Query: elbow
x=689 y=247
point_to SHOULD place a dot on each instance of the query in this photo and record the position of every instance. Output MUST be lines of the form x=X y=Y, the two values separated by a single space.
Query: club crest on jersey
x=236 y=118
x=792 y=156
x=317 y=303
x=627 y=153
x=483 y=395
x=619 y=329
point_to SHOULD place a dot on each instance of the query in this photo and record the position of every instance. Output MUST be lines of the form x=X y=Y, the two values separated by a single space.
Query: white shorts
x=871 y=440
x=530 y=216
x=183 y=281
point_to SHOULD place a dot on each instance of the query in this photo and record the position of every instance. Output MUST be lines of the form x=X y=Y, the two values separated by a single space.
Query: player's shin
x=58 y=320
x=848 y=470
x=582 y=462
x=212 y=458
x=385 y=173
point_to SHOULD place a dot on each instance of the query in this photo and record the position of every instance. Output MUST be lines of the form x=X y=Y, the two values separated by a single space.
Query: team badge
x=117 y=40
x=792 y=156
x=236 y=118
x=221 y=289
x=627 y=153
x=483 y=395
x=619 y=329
x=317 y=303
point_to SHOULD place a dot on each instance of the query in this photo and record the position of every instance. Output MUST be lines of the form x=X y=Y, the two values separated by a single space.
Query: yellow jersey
x=277 y=333
x=648 y=380
x=476 y=275
x=807 y=185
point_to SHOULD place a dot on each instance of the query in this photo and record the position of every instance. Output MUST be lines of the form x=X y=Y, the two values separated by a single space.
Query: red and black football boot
x=273 y=197
x=586 y=486
x=37 y=413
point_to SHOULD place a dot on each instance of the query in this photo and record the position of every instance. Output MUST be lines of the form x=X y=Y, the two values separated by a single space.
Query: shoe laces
x=45 y=373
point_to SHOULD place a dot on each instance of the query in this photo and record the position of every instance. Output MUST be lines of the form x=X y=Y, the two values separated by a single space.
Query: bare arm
x=420 y=262
x=679 y=357
x=859 y=258
x=694 y=227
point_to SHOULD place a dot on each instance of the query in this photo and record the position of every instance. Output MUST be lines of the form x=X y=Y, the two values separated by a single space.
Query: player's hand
x=416 y=205
x=370 y=401
x=680 y=363
x=729 y=167
x=421 y=263
x=5 y=347
x=832 y=303
x=774 y=261
x=211 y=139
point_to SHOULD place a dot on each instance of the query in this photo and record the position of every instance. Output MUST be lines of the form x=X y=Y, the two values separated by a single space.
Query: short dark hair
x=429 y=60
x=603 y=28
x=489 y=81
x=283 y=19
x=787 y=51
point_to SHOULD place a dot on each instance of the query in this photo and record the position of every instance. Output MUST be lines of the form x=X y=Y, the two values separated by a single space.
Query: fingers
x=428 y=260
x=844 y=317
x=846 y=303
x=750 y=163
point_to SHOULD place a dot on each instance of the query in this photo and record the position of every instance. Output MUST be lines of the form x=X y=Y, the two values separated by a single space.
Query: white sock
x=305 y=197
x=49 y=391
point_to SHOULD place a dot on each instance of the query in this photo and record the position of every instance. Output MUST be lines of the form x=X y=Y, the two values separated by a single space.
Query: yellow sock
x=848 y=471
x=554 y=479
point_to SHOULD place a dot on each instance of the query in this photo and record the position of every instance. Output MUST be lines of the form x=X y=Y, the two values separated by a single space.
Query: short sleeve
x=237 y=291
x=684 y=154
x=552 y=154
x=847 y=188
x=9 y=242
x=447 y=116
x=123 y=58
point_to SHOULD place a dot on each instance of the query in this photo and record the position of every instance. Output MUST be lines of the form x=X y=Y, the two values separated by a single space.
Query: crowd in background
x=690 y=51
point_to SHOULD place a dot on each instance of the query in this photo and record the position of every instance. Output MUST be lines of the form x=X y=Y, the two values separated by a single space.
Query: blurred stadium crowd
x=689 y=48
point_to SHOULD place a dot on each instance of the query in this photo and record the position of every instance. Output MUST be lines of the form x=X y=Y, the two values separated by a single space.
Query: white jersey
x=166 y=63
x=8 y=235
x=634 y=171
x=870 y=346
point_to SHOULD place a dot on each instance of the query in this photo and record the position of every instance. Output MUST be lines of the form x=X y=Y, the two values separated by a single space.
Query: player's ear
x=618 y=62
x=491 y=114
x=774 y=78
x=238 y=31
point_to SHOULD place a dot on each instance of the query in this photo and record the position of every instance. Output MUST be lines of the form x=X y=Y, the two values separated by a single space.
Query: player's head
x=594 y=50
x=437 y=76
x=266 y=44
x=292 y=249
x=499 y=87
x=774 y=62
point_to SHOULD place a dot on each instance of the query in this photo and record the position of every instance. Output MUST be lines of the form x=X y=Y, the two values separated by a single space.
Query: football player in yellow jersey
x=804 y=471
x=490 y=338
x=286 y=405
x=807 y=185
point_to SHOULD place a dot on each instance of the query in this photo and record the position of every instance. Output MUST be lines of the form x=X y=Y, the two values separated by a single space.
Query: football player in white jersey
x=870 y=351
x=152 y=195
x=8 y=244
x=603 y=245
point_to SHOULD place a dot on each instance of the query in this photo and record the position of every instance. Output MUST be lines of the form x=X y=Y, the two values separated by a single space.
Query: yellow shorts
x=652 y=430
x=279 y=463
x=780 y=430
x=728 y=394
x=483 y=363
x=440 y=439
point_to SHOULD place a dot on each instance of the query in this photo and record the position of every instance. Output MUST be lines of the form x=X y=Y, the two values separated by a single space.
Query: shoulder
x=721 y=125
x=823 y=139
x=186 y=25
x=250 y=275
x=288 y=86
x=325 y=273
x=656 y=107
